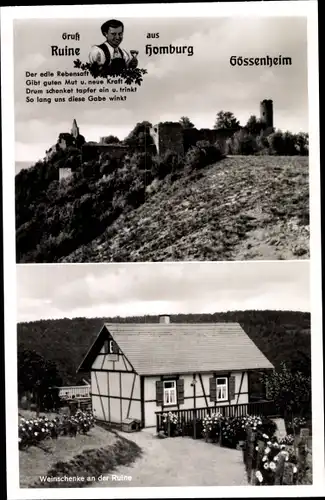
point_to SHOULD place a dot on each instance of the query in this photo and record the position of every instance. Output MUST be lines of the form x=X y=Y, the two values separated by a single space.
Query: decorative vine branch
x=129 y=75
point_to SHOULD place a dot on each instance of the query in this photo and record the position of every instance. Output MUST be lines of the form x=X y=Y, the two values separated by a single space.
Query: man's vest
x=115 y=65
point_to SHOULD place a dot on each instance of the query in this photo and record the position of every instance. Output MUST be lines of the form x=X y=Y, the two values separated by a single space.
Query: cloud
x=55 y=291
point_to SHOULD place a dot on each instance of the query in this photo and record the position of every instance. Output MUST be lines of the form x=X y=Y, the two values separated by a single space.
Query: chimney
x=164 y=318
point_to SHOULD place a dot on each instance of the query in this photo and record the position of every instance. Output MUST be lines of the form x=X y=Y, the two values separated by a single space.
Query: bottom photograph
x=180 y=374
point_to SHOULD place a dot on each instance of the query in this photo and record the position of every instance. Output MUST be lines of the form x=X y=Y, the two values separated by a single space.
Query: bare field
x=242 y=208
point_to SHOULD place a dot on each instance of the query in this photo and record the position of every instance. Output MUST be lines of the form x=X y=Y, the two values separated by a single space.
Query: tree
x=226 y=119
x=302 y=143
x=140 y=137
x=111 y=139
x=242 y=143
x=37 y=376
x=290 y=390
x=186 y=122
x=276 y=142
x=254 y=126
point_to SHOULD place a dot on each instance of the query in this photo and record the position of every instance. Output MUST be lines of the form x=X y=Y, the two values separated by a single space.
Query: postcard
x=162 y=139
x=162 y=250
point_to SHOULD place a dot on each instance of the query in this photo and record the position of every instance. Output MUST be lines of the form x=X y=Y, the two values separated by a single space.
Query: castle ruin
x=266 y=113
x=166 y=136
x=171 y=136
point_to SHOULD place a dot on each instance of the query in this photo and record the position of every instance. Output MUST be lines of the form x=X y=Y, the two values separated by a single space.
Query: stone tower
x=75 y=129
x=266 y=112
x=168 y=136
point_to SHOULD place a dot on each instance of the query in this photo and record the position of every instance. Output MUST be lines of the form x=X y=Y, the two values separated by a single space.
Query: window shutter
x=231 y=387
x=159 y=392
x=213 y=389
x=180 y=391
x=267 y=391
x=115 y=348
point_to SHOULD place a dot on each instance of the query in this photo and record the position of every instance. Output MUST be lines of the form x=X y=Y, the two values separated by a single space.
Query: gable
x=104 y=344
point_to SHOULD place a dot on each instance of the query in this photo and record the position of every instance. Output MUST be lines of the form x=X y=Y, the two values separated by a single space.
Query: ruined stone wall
x=93 y=151
x=168 y=136
x=192 y=136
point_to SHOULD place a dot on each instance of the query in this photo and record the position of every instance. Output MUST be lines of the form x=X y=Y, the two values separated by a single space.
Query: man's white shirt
x=97 y=55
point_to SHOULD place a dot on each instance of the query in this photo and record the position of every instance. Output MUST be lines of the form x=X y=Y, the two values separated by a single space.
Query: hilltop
x=153 y=209
x=280 y=335
x=241 y=208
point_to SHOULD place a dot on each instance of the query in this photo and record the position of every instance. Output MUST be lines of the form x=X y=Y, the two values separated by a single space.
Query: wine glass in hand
x=134 y=61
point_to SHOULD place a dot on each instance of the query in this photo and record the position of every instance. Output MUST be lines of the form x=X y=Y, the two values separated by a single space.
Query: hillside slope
x=244 y=207
x=280 y=335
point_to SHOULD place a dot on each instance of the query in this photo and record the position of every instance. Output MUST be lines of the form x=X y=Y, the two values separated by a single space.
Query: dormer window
x=170 y=395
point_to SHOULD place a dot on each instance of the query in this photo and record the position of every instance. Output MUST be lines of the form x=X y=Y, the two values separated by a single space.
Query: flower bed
x=171 y=424
x=32 y=431
x=296 y=424
x=267 y=460
x=234 y=429
x=212 y=425
x=229 y=431
x=276 y=462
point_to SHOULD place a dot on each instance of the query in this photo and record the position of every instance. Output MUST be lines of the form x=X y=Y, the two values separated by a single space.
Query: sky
x=197 y=86
x=108 y=290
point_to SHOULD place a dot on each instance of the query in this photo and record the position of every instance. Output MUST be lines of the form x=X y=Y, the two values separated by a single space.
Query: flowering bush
x=298 y=423
x=294 y=426
x=212 y=425
x=231 y=432
x=34 y=430
x=288 y=439
x=269 y=463
x=234 y=429
x=171 y=425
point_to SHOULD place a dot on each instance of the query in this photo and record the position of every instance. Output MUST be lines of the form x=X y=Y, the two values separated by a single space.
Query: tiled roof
x=156 y=349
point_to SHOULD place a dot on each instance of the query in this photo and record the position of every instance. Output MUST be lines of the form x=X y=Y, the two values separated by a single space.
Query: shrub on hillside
x=287 y=144
x=202 y=154
x=169 y=163
x=142 y=161
x=242 y=143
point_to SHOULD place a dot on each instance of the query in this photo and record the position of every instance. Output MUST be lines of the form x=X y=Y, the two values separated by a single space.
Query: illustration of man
x=109 y=57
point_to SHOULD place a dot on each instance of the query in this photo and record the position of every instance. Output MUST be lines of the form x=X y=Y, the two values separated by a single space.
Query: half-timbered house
x=138 y=370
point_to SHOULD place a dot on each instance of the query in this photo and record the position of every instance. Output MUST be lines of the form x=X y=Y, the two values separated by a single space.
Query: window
x=170 y=392
x=222 y=389
x=109 y=347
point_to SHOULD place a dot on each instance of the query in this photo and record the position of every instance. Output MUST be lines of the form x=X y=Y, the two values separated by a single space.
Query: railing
x=75 y=392
x=188 y=416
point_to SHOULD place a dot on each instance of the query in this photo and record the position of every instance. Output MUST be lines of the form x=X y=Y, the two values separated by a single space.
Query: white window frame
x=168 y=391
x=223 y=386
x=111 y=346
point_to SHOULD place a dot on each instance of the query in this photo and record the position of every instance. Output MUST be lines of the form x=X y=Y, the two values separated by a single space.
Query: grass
x=97 y=452
x=244 y=207
x=90 y=464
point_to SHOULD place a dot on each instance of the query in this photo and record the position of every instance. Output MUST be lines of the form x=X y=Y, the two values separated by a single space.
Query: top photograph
x=161 y=139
